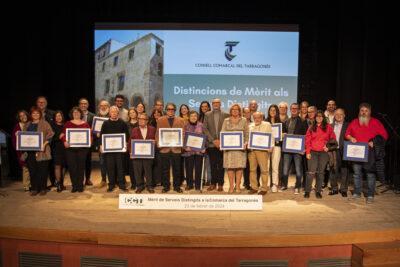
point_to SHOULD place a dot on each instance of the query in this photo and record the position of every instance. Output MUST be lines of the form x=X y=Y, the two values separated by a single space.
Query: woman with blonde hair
x=235 y=160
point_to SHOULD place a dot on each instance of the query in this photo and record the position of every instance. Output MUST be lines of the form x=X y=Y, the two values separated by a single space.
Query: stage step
x=376 y=254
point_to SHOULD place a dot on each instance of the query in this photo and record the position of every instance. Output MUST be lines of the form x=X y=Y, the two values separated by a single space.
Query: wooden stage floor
x=286 y=220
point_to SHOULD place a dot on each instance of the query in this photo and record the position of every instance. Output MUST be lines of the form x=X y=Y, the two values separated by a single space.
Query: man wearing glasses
x=170 y=156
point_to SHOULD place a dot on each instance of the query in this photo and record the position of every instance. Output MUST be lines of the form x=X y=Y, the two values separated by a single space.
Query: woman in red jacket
x=317 y=137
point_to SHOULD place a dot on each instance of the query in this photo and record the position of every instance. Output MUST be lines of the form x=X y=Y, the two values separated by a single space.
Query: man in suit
x=340 y=168
x=88 y=117
x=142 y=168
x=170 y=155
x=212 y=127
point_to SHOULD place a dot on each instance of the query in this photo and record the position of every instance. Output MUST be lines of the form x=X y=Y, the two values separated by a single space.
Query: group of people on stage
x=261 y=170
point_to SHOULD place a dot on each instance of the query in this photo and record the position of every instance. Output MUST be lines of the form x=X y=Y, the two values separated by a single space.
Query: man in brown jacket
x=170 y=155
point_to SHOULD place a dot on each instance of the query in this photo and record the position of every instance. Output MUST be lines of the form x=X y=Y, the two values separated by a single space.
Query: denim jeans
x=298 y=163
x=358 y=171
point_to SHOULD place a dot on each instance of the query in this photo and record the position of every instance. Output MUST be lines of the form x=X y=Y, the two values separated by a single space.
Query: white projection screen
x=189 y=63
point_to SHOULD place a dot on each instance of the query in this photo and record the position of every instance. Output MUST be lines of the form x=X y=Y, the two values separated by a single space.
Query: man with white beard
x=364 y=129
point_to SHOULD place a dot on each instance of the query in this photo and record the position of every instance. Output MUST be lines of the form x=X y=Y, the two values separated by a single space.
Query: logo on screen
x=228 y=52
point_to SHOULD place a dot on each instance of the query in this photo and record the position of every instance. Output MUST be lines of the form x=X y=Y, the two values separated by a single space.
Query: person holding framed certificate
x=115 y=161
x=22 y=122
x=87 y=117
x=259 y=158
x=194 y=151
x=76 y=156
x=317 y=137
x=142 y=167
x=273 y=117
x=235 y=160
x=170 y=156
x=364 y=129
x=38 y=161
x=294 y=125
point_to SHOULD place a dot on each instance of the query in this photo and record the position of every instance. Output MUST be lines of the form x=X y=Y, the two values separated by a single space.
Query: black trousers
x=168 y=160
x=88 y=164
x=115 y=169
x=143 y=169
x=194 y=163
x=76 y=161
x=157 y=168
x=340 y=173
x=132 y=174
x=38 y=171
x=316 y=168
x=217 y=165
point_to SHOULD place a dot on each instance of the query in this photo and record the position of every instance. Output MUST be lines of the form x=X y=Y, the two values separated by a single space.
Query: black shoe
x=333 y=192
x=318 y=195
x=165 y=190
x=151 y=190
x=80 y=190
x=110 y=189
x=59 y=187
x=178 y=190
x=307 y=195
x=344 y=193
x=187 y=188
x=133 y=187
x=283 y=188
x=139 y=190
x=74 y=190
x=88 y=182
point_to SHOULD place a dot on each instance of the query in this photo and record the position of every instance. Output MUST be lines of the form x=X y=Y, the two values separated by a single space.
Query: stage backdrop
x=189 y=66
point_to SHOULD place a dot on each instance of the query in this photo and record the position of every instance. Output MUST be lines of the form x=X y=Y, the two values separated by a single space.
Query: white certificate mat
x=29 y=141
x=170 y=137
x=98 y=123
x=355 y=151
x=195 y=141
x=113 y=143
x=77 y=137
x=293 y=143
x=277 y=131
x=142 y=149
x=260 y=141
x=231 y=140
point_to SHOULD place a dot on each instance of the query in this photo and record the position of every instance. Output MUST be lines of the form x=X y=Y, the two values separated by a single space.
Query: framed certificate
x=170 y=137
x=260 y=141
x=29 y=141
x=97 y=123
x=231 y=140
x=78 y=137
x=196 y=141
x=293 y=143
x=142 y=149
x=355 y=151
x=113 y=142
x=277 y=131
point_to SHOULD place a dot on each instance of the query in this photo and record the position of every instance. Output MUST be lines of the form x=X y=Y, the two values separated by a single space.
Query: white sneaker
x=274 y=188
x=296 y=191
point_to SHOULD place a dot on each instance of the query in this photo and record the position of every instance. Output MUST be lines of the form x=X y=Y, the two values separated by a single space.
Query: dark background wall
x=349 y=50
